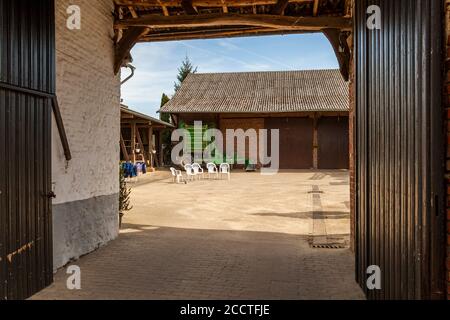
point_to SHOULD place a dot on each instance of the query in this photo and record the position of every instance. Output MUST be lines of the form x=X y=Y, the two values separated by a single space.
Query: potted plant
x=124 y=196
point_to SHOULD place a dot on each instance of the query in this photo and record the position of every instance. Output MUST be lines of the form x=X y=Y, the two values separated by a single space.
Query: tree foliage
x=164 y=116
x=186 y=68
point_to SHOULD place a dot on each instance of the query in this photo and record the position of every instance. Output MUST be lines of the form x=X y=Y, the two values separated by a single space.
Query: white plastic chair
x=189 y=172
x=198 y=170
x=212 y=170
x=225 y=169
x=177 y=175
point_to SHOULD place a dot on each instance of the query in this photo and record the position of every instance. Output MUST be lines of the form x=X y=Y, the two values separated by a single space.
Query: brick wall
x=447 y=101
x=85 y=211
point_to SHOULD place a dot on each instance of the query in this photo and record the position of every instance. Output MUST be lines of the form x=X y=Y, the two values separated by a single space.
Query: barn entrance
x=296 y=141
x=399 y=206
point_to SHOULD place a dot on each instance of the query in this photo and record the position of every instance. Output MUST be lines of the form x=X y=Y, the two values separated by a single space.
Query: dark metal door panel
x=400 y=149
x=296 y=141
x=333 y=138
x=27 y=62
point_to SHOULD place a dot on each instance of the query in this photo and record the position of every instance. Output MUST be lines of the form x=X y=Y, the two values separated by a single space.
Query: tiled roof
x=261 y=92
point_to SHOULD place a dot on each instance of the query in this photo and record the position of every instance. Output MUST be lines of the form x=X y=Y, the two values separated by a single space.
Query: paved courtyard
x=254 y=237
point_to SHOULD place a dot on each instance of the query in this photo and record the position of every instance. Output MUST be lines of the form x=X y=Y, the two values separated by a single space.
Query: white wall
x=89 y=98
x=85 y=210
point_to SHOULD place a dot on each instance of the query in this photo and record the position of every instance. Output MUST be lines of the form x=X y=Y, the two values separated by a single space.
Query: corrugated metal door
x=333 y=138
x=296 y=141
x=400 y=215
x=27 y=78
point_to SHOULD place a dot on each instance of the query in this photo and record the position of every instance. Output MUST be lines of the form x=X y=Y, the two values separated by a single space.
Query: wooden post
x=133 y=142
x=316 y=142
x=150 y=145
x=161 y=152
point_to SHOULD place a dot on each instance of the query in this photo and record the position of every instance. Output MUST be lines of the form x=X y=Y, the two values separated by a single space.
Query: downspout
x=132 y=68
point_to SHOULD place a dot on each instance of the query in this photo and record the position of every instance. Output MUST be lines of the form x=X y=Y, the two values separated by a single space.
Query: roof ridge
x=256 y=72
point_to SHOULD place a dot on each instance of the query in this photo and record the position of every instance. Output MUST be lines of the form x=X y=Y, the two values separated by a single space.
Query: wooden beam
x=150 y=146
x=316 y=8
x=210 y=20
x=201 y=3
x=164 y=8
x=133 y=143
x=188 y=7
x=338 y=40
x=214 y=34
x=280 y=7
x=141 y=145
x=124 y=148
x=224 y=7
x=123 y=48
x=133 y=12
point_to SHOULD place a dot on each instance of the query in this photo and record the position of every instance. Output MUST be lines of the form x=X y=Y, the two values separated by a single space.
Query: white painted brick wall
x=89 y=98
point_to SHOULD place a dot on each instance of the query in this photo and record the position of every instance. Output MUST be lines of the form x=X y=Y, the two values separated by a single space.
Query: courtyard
x=254 y=237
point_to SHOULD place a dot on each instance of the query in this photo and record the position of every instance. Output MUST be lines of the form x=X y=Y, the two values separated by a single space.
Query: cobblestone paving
x=150 y=261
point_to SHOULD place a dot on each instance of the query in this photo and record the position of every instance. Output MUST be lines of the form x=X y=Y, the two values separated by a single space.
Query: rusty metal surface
x=27 y=62
x=400 y=200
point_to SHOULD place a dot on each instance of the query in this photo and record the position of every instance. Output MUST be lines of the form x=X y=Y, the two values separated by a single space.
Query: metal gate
x=400 y=190
x=27 y=82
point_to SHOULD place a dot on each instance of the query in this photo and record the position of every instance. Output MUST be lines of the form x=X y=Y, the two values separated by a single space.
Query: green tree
x=164 y=116
x=186 y=68
x=166 y=133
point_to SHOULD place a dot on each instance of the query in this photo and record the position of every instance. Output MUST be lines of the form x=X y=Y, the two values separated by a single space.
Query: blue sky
x=157 y=63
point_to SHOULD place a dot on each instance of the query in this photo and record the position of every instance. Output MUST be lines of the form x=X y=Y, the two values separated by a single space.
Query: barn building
x=310 y=108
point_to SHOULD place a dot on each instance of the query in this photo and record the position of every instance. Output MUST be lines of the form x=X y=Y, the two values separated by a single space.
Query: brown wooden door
x=333 y=138
x=296 y=141
x=27 y=80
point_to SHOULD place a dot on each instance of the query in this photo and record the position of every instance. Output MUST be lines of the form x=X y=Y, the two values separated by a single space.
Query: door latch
x=51 y=195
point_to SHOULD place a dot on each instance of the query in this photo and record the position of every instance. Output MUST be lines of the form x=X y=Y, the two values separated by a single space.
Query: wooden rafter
x=209 y=20
x=316 y=8
x=164 y=8
x=280 y=7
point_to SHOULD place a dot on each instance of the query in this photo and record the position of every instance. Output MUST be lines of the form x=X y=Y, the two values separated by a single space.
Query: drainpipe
x=132 y=68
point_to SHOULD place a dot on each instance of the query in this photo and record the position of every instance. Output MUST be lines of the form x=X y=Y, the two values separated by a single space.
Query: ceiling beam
x=215 y=34
x=202 y=3
x=209 y=20
x=280 y=7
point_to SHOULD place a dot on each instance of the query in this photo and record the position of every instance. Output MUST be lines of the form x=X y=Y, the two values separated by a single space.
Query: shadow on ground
x=150 y=262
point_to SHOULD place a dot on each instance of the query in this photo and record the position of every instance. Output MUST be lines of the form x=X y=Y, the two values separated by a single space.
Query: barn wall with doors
x=85 y=210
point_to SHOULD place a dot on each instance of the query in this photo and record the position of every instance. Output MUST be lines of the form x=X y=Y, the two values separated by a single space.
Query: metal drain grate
x=328 y=246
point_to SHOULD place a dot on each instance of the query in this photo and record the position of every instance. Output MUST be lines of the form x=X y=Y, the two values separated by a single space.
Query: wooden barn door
x=400 y=149
x=296 y=141
x=333 y=137
x=27 y=80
